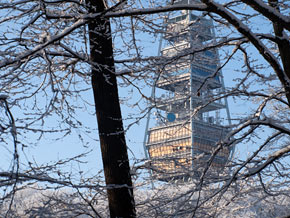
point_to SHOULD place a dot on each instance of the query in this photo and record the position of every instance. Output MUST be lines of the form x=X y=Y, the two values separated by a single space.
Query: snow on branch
x=273 y=157
x=260 y=46
x=38 y=48
x=269 y=12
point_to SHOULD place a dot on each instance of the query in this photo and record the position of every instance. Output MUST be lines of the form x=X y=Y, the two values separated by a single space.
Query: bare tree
x=104 y=83
x=44 y=71
x=112 y=138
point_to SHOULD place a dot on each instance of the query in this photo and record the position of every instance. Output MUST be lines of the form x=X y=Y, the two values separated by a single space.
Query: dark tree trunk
x=110 y=125
x=284 y=49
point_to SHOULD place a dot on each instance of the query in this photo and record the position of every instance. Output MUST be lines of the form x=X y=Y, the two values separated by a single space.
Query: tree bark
x=108 y=112
x=284 y=49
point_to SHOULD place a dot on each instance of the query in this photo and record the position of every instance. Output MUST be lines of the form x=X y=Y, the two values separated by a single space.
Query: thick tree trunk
x=110 y=125
x=284 y=49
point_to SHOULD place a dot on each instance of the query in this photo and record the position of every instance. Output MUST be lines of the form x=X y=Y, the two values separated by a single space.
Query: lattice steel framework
x=189 y=122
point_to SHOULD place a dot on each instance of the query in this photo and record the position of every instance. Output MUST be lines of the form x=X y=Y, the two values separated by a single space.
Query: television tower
x=190 y=117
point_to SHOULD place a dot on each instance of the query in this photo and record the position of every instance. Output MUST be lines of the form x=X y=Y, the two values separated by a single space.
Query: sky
x=48 y=150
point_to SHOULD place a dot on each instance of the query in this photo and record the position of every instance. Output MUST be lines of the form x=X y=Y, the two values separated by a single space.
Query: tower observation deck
x=190 y=118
